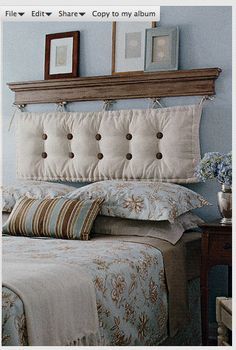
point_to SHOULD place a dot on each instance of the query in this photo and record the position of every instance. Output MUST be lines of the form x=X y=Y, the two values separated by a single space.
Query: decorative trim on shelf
x=192 y=82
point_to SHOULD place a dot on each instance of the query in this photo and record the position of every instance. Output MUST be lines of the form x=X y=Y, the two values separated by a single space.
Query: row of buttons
x=98 y=137
x=100 y=155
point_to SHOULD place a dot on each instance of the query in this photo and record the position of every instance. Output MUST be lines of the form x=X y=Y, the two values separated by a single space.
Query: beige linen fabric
x=59 y=302
x=150 y=144
x=171 y=232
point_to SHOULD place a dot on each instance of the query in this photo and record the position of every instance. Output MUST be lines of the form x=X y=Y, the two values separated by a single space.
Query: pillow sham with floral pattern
x=141 y=200
x=31 y=189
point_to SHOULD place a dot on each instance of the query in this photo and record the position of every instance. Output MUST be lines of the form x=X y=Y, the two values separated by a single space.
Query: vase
x=225 y=204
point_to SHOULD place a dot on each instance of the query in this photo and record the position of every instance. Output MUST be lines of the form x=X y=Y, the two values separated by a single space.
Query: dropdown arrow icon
x=82 y=13
x=21 y=13
x=48 y=13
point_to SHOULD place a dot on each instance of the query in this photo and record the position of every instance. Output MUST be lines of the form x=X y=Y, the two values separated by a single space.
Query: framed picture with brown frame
x=62 y=55
x=128 y=46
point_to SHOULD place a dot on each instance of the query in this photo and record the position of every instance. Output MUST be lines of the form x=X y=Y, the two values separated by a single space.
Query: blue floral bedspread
x=129 y=282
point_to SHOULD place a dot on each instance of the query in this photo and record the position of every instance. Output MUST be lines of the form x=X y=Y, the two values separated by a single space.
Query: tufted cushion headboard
x=154 y=144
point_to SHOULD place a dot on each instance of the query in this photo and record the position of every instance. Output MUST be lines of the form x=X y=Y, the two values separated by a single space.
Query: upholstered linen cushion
x=151 y=144
x=58 y=217
x=31 y=189
x=141 y=200
x=160 y=229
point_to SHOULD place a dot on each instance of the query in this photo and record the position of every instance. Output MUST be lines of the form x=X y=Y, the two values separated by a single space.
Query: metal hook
x=19 y=107
x=205 y=98
x=107 y=104
x=61 y=106
x=155 y=102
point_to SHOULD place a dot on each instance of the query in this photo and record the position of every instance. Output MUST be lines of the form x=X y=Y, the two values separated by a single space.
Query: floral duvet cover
x=129 y=283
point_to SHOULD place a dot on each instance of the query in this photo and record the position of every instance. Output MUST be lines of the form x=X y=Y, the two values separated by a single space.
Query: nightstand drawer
x=220 y=246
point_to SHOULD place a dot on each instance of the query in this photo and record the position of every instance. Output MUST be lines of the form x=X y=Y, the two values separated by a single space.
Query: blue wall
x=205 y=41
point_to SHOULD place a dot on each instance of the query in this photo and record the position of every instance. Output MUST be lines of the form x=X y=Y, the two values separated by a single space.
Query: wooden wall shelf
x=120 y=86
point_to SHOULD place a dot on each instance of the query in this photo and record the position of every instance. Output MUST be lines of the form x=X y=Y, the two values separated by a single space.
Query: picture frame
x=162 y=49
x=62 y=55
x=128 y=46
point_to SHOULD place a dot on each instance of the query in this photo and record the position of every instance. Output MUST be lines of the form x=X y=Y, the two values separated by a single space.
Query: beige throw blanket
x=59 y=302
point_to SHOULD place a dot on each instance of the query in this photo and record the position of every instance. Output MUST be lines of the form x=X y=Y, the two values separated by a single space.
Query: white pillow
x=161 y=229
x=141 y=200
x=31 y=189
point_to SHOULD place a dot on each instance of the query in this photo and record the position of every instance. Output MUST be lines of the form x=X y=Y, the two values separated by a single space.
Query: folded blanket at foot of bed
x=59 y=311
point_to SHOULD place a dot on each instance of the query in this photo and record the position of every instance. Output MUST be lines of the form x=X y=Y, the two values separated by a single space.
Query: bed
x=131 y=291
x=145 y=285
x=146 y=288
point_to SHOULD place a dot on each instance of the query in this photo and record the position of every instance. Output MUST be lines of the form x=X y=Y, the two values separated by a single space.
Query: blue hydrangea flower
x=215 y=165
x=224 y=173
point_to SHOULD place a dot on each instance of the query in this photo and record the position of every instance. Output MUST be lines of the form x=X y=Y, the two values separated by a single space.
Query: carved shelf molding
x=192 y=82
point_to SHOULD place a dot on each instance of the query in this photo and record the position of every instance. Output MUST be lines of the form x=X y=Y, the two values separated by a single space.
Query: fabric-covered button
x=98 y=137
x=128 y=156
x=44 y=155
x=129 y=136
x=69 y=136
x=44 y=136
x=159 y=135
x=159 y=155
x=100 y=155
x=71 y=155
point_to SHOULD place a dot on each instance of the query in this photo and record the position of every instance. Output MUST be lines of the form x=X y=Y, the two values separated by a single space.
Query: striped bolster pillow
x=58 y=217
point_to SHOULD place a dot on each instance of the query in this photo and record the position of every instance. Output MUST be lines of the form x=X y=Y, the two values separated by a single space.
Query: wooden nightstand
x=216 y=250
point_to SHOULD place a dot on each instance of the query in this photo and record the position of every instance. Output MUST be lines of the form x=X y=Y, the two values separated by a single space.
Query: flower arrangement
x=216 y=165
